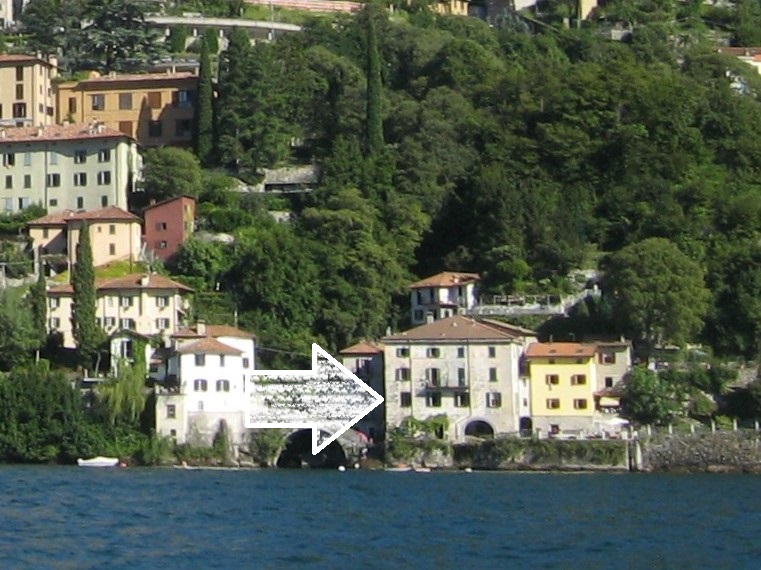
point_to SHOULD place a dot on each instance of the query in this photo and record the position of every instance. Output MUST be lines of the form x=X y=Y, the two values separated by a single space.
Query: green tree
x=658 y=292
x=204 y=124
x=38 y=301
x=169 y=172
x=647 y=399
x=232 y=103
x=205 y=261
x=211 y=37
x=18 y=337
x=374 y=111
x=123 y=397
x=87 y=334
x=178 y=36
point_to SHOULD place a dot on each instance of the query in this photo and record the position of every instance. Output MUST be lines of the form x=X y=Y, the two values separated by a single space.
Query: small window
x=200 y=406
x=104 y=177
x=104 y=155
x=20 y=91
x=53 y=202
x=578 y=380
x=402 y=374
x=72 y=105
x=162 y=301
x=53 y=302
x=9 y=159
x=98 y=102
x=200 y=385
x=433 y=353
x=405 y=400
x=8 y=182
x=162 y=324
x=80 y=203
x=433 y=376
x=154 y=100
x=45 y=233
x=552 y=379
x=19 y=73
x=223 y=385
x=54 y=323
x=553 y=404
x=200 y=359
x=125 y=101
x=492 y=375
x=53 y=158
x=80 y=179
x=580 y=404
x=80 y=157
x=19 y=110
x=403 y=352
x=460 y=352
x=27 y=180
x=246 y=362
x=128 y=324
x=461 y=380
x=222 y=360
x=27 y=159
x=492 y=352
x=112 y=249
x=126 y=300
x=493 y=399
x=110 y=322
x=160 y=226
x=112 y=229
x=433 y=400
x=161 y=245
x=171 y=411
x=461 y=399
x=607 y=358
x=53 y=180
x=23 y=203
x=608 y=382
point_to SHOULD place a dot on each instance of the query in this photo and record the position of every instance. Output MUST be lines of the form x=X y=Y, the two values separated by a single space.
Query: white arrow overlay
x=328 y=399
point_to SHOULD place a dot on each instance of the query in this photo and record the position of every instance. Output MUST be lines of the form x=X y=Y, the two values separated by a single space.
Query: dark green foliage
x=38 y=303
x=648 y=399
x=87 y=334
x=374 y=112
x=178 y=36
x=211 y=38
x=232 y=99
x=170 y=172
x=18 y=336
x=204 y=123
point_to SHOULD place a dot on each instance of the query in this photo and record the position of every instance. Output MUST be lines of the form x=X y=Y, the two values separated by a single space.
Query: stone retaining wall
x=738 y=451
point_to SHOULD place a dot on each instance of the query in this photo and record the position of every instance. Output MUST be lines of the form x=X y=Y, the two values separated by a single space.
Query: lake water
x=66 y=517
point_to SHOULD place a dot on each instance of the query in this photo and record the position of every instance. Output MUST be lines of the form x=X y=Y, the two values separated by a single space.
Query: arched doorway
x=297 y=453
x=479 y=428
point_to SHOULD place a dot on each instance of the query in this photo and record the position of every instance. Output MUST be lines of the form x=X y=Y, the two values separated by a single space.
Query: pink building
x=167 y=224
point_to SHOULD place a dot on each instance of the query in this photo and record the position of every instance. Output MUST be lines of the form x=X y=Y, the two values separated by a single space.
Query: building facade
x=365 y=359
x=26 y=98
x=147 y=304
x=442 y=295
x=202 y=381
x=114 y=234
x=156 y=109
x=66 y=167
x=168 y=224
x=466 y=369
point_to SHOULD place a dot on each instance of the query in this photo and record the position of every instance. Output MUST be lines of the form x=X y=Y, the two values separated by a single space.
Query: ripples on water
x=60 y=517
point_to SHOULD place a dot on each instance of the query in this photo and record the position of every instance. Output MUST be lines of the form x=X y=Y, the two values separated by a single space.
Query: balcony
x=444 y=386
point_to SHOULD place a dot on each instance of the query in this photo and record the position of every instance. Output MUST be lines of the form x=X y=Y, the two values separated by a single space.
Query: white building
x=466 y=369
x=66 y=167
x=365 y=359
x=442 y=295
x=147 y=304
x=201 y=381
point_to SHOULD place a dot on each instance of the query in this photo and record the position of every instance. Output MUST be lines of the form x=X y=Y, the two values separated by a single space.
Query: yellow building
x=26 y=97
x=114 y=234
x=563 y=380
x=451 y=7
x=154 y=108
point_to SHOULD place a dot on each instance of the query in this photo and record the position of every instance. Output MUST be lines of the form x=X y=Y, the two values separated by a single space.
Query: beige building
x=26 y=96
x=147 y=304
x=66 y=167
x=365 y=359
x=156 y=109
x=443 y=295
x=114 y=234
x=466 y=369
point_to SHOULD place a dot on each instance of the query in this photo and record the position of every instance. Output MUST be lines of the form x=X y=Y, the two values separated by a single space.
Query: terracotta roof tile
x=49 y=133
x=168 y=201
x=452 y=329
x=446 y=279
x=208 y=345
x=214 y=331
x=111 y=213
x=20 y=57
x=127 y=282
x=560 y=350
x=363 y=347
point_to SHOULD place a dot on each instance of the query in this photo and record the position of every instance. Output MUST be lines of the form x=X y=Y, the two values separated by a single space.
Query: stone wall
x=738 y=451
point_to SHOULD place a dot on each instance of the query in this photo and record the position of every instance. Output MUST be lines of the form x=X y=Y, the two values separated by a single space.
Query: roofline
x=506 y=339
x=167 y=200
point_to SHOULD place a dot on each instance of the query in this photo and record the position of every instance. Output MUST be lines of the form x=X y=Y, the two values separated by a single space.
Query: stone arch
x=479 y=428
x=297 y=452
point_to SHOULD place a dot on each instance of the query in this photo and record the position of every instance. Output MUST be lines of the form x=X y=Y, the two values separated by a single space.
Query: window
x=110 y=322
x=112 y=249
x=160 y=226
x=460 y=352
x=223 y=385
x=72 y=105
x=53 y=158
x=19 y=110
x=53 y=202
x=182 y=99
x=553 y=404
x=492 y=374
x=552 y=379
x=246 y=362
x=54 y=323
x=9 y=159
x=80 y=179
x=23 y=203
x=580 y=404
x=171 y=411
x=200 y=406
x=154 y=100
x=403 y=352
x=20 y=91
x=402 y=374
x=45 y=233
x=125 y=101
x=125 y=127
x=112 y=229
x=128 y=324
x=162 y=301
x=126 y=301
x=418 y=315
x=405 y=400
x=493 y=399
x=104 y=155
x=461 y=399
x=578 y=379
x=98 y=102
x=80 y=203
x=154 y=129
x=27 y=159
x=183 y=128
x=8 y=204
x=607 y=358
x=200 y=385
x=27 y=180
x=200 y=359
x=461 y=377
x=432 y=376
x=162 y=324
x=104 y=177
x=492 y=352
x=8 y=182
x=222 y=360
x=19 y=73
x=608 y=382
x=433 y=352
x=433 y=400
x=161 y=245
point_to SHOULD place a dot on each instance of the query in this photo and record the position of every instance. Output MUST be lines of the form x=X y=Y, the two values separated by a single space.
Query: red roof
x=49 y=133
x=168 y=201
x=560 y=350
x=208 y=345
x=133 y=281
x=446 y=279
x=363 y=347
x=111 y=214
x=15 y=58
x=454 y=328
x=214 y=331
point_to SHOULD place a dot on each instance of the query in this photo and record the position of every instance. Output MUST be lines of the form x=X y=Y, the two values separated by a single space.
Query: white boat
x=398 y=469
x=98 y=462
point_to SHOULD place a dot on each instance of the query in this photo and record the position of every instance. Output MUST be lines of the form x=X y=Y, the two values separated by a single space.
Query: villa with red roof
x=26 y=98
x=442 y=295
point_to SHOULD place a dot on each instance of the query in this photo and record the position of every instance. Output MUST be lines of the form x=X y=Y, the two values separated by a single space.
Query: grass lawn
x=107 y=271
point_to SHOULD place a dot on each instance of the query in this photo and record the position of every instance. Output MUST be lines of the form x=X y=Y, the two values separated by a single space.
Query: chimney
x=2 y=133
x=144 y=280
x=201 y=327
x=40 y=131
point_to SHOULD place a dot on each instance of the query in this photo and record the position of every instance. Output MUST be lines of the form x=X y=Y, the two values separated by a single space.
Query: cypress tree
x=204 y=124
x=87 y=334
x=39 y=306
x=374 y=118
x=211 y=35
x=232 y=104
